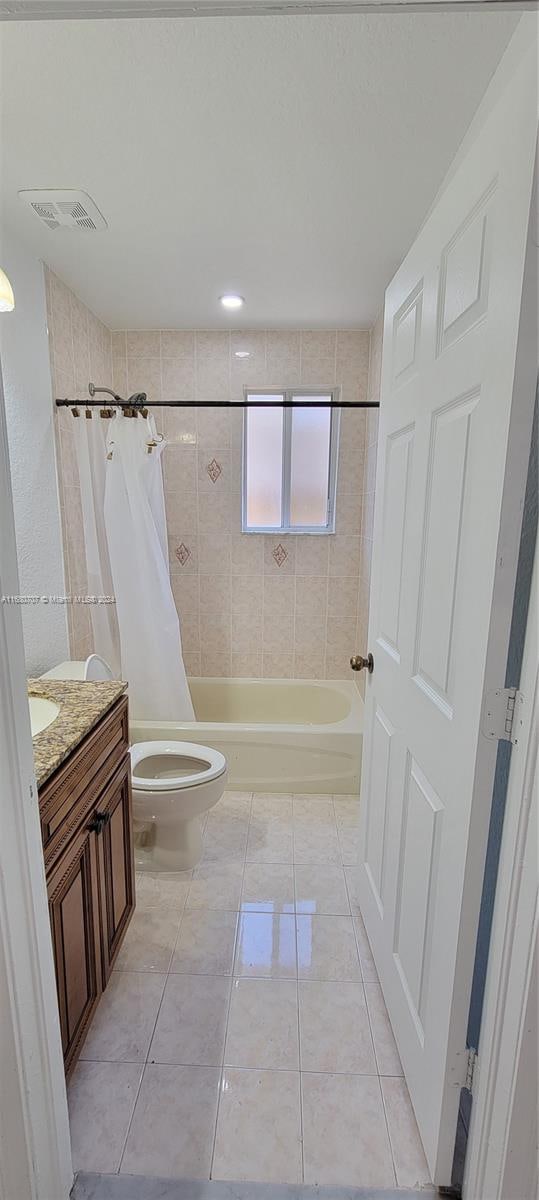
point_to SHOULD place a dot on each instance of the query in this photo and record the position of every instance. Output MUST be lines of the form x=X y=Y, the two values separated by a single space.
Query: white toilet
x=173 y=784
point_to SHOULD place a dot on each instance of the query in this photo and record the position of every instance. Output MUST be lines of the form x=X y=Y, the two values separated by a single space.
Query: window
x=290 y=464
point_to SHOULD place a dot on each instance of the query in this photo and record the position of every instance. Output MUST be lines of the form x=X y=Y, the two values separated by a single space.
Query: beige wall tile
x=143 y=343
x=318 y=358
x=178 y=378
x=301 y=618
x=144 y=375
x=179 y=344
x=212 y=365
x=251 y=371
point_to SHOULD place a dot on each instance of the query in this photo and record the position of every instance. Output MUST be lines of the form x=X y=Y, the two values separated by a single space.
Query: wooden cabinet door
x=115 y=864
x=74 y=914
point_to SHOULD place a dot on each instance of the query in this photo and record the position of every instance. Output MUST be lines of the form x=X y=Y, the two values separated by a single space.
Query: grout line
x=167 y=974
x=390 y=1139
x=143 y=1072
x=236 y=936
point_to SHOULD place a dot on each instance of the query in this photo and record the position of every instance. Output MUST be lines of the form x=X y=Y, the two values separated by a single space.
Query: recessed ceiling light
x=242 y=353
x=230 y=300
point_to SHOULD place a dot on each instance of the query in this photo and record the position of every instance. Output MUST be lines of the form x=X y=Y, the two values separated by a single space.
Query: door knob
x=357 y=663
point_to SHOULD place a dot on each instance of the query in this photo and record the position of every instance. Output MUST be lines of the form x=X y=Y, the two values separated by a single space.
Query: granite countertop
x=82 y=704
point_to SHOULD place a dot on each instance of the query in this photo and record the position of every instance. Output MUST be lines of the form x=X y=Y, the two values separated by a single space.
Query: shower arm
x=139 y=402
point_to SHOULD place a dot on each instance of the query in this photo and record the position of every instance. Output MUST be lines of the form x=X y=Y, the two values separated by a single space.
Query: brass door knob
x=358 y=663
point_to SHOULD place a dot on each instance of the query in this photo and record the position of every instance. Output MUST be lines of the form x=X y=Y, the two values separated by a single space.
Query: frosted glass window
x=264 y=465
x=309 y=466
x=289 y=462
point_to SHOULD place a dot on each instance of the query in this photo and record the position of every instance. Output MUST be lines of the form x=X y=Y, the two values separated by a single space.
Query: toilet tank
x=94 y=668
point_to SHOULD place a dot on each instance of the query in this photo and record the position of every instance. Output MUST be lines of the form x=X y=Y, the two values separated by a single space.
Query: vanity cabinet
x=86 y=825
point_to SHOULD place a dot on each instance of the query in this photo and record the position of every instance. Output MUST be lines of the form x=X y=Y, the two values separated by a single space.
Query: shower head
x=138 y=398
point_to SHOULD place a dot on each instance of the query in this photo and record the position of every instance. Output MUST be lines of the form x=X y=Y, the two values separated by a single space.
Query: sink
x=42 y=713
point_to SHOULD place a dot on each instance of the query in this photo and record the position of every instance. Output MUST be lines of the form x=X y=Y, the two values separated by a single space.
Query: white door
x=456 y=402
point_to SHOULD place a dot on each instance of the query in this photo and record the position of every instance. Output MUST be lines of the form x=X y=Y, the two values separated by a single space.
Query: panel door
x=456 y=403
x=74 y=913
x=116 y=866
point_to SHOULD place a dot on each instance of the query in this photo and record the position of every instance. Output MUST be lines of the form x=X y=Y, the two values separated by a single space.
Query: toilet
x=173 y=784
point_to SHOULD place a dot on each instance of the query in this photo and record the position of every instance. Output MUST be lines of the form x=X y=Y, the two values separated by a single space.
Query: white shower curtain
x=127 y=489
x=91 y=456
x=135 y=521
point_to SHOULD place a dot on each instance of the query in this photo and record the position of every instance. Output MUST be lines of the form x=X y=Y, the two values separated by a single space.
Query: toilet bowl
x=173 y=784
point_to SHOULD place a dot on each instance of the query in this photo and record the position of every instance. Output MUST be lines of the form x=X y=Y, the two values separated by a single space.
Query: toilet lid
x=163 y=766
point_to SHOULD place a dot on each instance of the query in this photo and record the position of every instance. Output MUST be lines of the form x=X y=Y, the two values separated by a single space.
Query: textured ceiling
x=289 y=158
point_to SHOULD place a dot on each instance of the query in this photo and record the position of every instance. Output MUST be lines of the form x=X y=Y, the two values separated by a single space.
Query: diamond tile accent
x=280 y=555
x=182 y=553
x=214 y=470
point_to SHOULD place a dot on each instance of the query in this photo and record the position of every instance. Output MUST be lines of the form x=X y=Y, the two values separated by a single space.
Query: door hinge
x=471 y=1065
x=503 y=715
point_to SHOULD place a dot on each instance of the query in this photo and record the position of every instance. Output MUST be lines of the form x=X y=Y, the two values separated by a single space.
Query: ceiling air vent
x=64 y=209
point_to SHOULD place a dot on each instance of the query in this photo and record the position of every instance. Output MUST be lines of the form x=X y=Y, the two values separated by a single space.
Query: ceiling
x=291 y=159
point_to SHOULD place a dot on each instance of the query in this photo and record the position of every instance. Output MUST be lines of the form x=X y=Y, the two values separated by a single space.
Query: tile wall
x=253 y=605
x=249 y=605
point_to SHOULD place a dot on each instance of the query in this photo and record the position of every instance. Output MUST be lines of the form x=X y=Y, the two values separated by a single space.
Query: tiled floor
x=243 y=1035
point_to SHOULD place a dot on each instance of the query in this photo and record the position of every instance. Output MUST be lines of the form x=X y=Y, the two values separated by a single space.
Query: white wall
x=25 y=363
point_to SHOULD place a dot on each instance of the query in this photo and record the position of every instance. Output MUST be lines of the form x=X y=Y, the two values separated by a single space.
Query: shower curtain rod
x=138 y=401
x=143 y=403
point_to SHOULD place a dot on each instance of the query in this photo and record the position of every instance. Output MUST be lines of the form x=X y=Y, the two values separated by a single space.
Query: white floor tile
x=346 y=811
x=224 y=839
x=173 y=1125
x=272 y=807
x=101 y=1097
x=236 y=804
x=263 y=1025
x=191 y=1025
x=266 y=946
x=335 y=1034
x=368 y=968
x=258 y=1127
x=408 y=1155
x=205 y=943
x=316 y=846
x=351 y=875
x=216 y=885
x=269 y=842
x=268 y=887
x=349 y=842
x=313 y=810
x=387 y=1055
x=345 y=1139
x=149 y=941
x=162 y=889
x=321 y=890
x=123 y=1025
x=327 y=949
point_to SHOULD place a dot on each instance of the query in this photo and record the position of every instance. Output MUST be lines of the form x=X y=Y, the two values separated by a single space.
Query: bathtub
x=278 y=735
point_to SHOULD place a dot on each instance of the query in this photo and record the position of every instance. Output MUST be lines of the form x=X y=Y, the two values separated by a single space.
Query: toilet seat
x=214 y=765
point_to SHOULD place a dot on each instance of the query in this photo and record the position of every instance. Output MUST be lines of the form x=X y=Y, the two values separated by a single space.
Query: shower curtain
x=133 y=511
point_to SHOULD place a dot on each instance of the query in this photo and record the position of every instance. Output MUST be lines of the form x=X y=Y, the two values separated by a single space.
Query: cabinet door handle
x=97 y=824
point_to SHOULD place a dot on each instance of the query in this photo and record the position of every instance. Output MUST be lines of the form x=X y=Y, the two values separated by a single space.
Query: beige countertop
x=82 y=704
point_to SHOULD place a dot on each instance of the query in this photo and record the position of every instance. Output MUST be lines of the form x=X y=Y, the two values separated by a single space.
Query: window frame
x=285 y=528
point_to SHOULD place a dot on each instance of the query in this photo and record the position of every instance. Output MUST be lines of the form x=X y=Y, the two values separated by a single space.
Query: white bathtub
x=278 y=735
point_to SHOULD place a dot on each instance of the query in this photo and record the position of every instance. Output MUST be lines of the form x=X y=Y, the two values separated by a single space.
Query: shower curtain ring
x=75 y=412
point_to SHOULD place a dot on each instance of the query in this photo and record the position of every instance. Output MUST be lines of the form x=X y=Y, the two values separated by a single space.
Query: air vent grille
x=65 y=209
